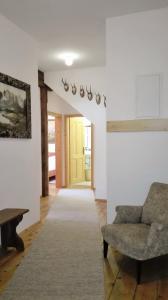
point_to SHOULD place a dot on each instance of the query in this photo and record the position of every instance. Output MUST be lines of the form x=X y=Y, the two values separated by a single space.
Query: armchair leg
x=105 y=248
x=139 y=267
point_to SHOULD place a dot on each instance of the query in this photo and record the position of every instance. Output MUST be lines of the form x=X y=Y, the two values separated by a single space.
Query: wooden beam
x=48 y=88
x=138 y=125
x=41 y=82
x=44 y=140
x=40 y=78
x=44 y=88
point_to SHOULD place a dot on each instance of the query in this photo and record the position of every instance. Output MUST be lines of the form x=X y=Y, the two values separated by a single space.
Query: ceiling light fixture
x=68 y=57
x=69 y=61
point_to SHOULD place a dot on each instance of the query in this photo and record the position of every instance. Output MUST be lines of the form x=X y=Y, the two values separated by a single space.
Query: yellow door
x=77 y=157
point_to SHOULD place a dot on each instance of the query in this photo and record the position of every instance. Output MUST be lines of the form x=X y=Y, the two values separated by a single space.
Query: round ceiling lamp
x=68 y=57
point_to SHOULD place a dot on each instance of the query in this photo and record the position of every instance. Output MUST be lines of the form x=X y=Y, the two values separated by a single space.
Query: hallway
x=12 y=261
x=65 y=260
x=120 y=283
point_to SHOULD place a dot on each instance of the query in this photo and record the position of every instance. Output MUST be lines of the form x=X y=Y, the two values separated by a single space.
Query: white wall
x=59 y=106
x=136 y=45
x=20 y=158
x=96 y=114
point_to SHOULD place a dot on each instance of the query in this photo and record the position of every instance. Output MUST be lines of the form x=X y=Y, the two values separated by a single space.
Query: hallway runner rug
x=65 y=261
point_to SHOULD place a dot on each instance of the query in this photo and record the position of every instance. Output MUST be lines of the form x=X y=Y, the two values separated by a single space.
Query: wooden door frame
x=58 y=156
x=92 y=157
x=66 y=143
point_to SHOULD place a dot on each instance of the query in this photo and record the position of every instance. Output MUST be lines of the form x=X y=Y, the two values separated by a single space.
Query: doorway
x=79 y=152
x=54 y=151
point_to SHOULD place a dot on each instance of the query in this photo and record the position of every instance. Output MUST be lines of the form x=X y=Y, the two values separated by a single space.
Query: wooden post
x=44 y=132
x=44 y=140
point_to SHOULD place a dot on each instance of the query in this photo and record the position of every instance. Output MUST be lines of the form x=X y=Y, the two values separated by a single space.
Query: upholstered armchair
x=141 y=232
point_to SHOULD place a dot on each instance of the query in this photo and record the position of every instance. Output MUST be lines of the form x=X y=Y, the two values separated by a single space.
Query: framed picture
x=15 y=108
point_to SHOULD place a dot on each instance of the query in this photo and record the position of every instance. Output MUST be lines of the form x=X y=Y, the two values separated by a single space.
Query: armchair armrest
x=158 y=234
x=128 y=214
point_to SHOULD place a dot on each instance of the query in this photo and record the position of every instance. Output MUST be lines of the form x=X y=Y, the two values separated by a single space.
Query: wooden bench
x=9 y=219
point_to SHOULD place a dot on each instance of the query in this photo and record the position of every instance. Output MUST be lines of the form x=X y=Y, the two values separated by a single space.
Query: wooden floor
x=119 y=271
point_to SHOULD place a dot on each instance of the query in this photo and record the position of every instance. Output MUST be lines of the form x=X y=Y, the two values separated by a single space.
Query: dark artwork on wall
x=15 y=108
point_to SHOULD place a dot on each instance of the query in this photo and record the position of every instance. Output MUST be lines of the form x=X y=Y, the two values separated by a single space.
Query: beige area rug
x=65 y=261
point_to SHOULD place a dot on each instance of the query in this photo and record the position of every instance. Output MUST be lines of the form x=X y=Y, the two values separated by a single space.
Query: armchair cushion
x=128 y=214
x=155 y=208
x=129 y=239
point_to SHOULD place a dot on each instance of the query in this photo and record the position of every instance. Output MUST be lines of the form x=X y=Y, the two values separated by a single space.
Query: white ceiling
x=70 y=25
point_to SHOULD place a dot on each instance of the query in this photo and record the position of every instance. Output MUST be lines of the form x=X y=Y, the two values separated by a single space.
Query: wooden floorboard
x=125 y=284
x=163 y=289
x=119 y=271
x=147 y=291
